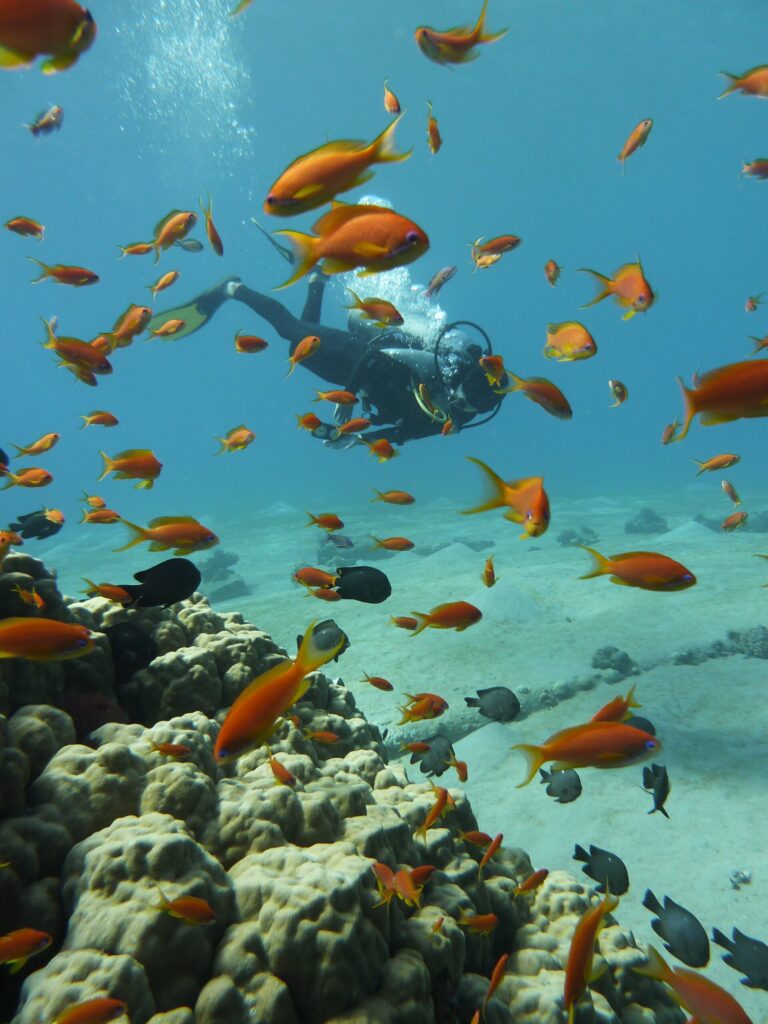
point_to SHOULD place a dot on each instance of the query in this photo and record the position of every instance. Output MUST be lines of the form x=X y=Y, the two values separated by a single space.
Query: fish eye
x=650 y=745
x=272 y=200
x=413 y=237
x=81 y=643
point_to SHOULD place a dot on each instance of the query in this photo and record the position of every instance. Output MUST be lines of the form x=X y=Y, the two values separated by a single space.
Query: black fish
x=433 y=761
x=749 y=956
x=564 y=786
x=35 y=524
x=605 y=867
x=164 y=584
x=496 y=702
x=327 y=634
x=4 y=460
x=683 y=934
x=189 y=244
x=362 y=583
x=638 y=722
x=656 y=780
x=132 y=649
x=339 y=540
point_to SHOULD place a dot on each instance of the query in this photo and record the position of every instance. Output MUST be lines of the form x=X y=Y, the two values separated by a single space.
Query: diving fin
x=198 y=311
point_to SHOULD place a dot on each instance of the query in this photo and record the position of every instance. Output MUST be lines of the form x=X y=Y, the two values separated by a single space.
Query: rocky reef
x=96 y=835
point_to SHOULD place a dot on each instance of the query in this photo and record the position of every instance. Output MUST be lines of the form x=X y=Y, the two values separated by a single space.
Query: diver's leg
x=313 y=304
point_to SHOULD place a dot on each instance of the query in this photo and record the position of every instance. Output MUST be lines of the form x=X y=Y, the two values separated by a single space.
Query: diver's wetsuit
x=353 y=359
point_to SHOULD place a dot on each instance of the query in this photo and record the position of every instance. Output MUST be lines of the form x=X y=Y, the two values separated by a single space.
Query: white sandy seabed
x=540 y=627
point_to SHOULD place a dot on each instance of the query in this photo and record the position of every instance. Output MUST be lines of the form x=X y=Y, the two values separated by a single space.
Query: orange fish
x=281 y=773
x=393 y=543
x=435 y=812
x=321 y=735
x=496 y=246
x=484 y=260
x=403 y=621
x=178 y=751
x=753 y=301
x=456 y=45
x=478 y=924
x=100 y=516
x=109 y=591
x=305 y=348
x=645 y=569
x=752 y=83
x=617 y=710
x=628 y=286
x=17 y=947
x=164 y=282
x=133 y=464
x=702 y=998
x=579 y=968
x=237 y=440
x=26 y=227
x=422 y=706
x=462 y=769
x=496 y=975
x=458 y=615
x=317 y=177
x=385 y=883
x=172 y=228
x=391 y=102
x=93 y=1011
x=730 y=491
x=488 y=575
x=541 y=391
x=757 y=168
x=372 y=237
x=437 y=926
x=552 y=272
x=594 y=745
x=168 y=329
x=76 y=352
x=311 y=577
x=731 y=392
x=382 y=449
x=78 y=277
x=308 y=421
x=492 y=848
x=669 y=432
x=94 y=500
x=353 y=426
x=32 y=477
x=326 y=521
x=419 y=747
x=251 y=719
x=493 y=368
x=734 y=521
x=130 y=324
x=434 y=138
x=323 y=594
x=214 y=238
x=99 y=418
x=183 y=533
x=393 y=497
x=43 y=639
x=337 y=396
x=29 y=597
x=637 y=138
x=381 y=312
x=8 y=539
x=475 y=837
x=249 y=343
x=406 y=888
x=61 y=29
x=135 y=249
x=532 y=882
x=43 y=444
x=526 y=499
x=717 y=462
x=569 y=341
x=378 y=681
x=191 y=909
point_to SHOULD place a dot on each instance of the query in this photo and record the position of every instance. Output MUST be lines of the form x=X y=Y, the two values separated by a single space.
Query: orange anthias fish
x=93 y=1011
x=456 y=45
x=32 y=477
x=214 y=238
x=43 y=444
x=706 y=1001
x=61 y=29
x=17 y=947
x=43 y=639
x=532 y=882
x=74 y=351
x=526 y=499
x=407 y=888
x=385 y=883
x=130 y=324
x=109 y=591
x=647 y=570
x=26 y=227
x=435 y=812
x=99 y=418
x=94 y=500
x=326 y=521
x=372 y=237
x=183 y=533
x=393 y=497
x=317 y=177
x=434 y=138
x=191 y=909
x=339 y=396
x=172 y=228
x=541 y=391
x=717 y=462
x=493 y=846
x=381 y=312
x=734 y=521
x=757 y=168
x=478 y=924
x=168 y=329
x=617 y=710
x=164 y=282
x=311 y=577
x=8 y=539
x=392 y=543
x=29 y=597
x=458 y=615
x=78 y=277
x=308 y=421
x=133 y=464
x=488 y=575
x=552 y=272
x=305 y=348
x=732 y=392
x=236 y=440
x=353 y=426
x=569 y=341
x=628 y=286
x=178 y=751
x=391 y=102
x=730 y=491
x=135 y=249
x=496 y=975
x=593 y=745
x=422 y=706
x=382 y=449
x=100 y=516
x=405 y=621
x=753 y=301
x=637 y=138
x=280 y=772
x=493 y=368
x=579 y=969
x=251 y=719
x=379 y=682
x=495 y=246
x=249 y=343
x=752 y=83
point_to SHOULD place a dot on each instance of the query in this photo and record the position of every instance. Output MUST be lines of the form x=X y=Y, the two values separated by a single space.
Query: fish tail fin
x=422 y=621
x=599 y=564
x=758 y=344
x=379 y=496
x=223 y=442
x=304 y=255
x=11 y=482
x=732 y=87
x=376 y=542
x=312 y=520
x=535 y=758
x=356 y=301
x=50 y=341
x=311 y=656
x=383 y=146
x=603 y=282
x=207 y=211
x=689 y=410
x=631 y=702
x=650 y=902
x=472 y=702
x=700 y=465
x=108 y=465
x=140 y=534
x=45 y=270
x=656 y=967
x=720 y=940
x=482 y=35
x=292 y=365
x=494 y=497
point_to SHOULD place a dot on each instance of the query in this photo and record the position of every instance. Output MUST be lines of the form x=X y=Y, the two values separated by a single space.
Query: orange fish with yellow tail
x=579 y=968
x=213 y=236
x=647 y=570
x=732 y=392
x=456 y=45
x=617 y=710
x=526 y=500
x=59 y=29
x=637 y=138
x=44 y=639
x=183 y=533
x=172 y=228
x=458 y=615
x=628 y=286
x=706 y=1001
x=133 y=464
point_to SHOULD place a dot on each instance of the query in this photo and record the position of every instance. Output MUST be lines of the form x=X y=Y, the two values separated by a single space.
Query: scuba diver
x=409 y=386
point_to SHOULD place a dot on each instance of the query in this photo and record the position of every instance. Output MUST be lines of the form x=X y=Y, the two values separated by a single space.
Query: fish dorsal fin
x=626 y=555
x=161 y=223
x=131 y=453
x=726 y=372
x=526 y=481
x=341 y=213
x=172 y=521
